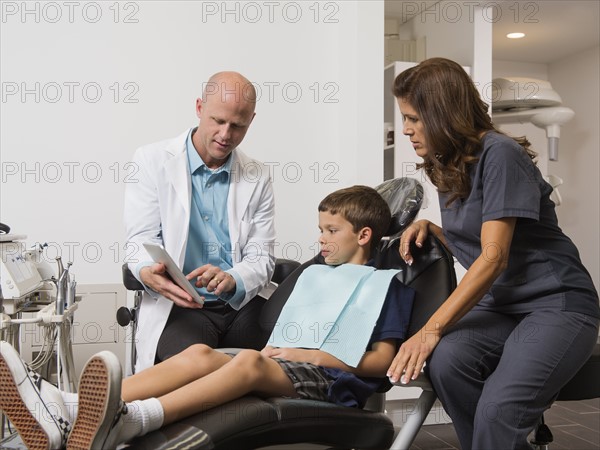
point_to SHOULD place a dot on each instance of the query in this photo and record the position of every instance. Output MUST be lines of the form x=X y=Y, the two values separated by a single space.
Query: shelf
x=387 y=147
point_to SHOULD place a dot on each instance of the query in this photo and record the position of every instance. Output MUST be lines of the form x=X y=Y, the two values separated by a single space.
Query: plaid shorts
x=310 y=382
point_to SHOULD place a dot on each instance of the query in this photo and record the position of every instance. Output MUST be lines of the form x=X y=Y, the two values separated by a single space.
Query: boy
x=110 y=412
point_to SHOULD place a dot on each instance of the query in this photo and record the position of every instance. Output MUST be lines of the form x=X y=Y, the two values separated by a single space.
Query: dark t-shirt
x=544 y=267
x=351 y=390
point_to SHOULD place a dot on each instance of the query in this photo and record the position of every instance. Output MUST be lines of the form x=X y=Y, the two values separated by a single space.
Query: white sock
x=143 y=416
x=153 y=414
x=71 y=401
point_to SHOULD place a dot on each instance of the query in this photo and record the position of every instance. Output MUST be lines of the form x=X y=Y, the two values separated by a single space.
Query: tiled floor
x=575 y=426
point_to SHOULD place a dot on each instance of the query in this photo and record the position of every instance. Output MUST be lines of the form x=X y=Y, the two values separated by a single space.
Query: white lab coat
x=157 y=209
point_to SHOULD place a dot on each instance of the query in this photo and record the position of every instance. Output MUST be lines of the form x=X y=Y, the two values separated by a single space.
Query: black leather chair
x=433 y=285
x=252 y=422
x=404 y=195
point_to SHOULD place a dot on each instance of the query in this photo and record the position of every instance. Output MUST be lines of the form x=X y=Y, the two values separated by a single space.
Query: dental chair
x=433 y=285
x=252 y=422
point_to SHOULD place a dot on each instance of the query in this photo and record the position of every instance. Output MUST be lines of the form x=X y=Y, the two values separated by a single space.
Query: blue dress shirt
x=208 y=236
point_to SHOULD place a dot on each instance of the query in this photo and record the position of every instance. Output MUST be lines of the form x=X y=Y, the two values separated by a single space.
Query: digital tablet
x=158 y=253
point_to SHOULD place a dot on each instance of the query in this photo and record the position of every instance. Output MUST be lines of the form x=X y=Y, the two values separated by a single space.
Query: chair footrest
x=250 y=422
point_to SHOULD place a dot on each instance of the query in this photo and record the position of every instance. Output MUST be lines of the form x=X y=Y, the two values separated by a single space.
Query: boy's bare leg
x=193 y=363
x=106 y=421
x=249 y=371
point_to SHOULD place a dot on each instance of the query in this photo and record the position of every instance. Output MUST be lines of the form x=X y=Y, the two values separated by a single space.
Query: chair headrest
x=404 y=196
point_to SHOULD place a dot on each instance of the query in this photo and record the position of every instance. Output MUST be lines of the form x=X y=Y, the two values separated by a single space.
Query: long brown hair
x=454 y=118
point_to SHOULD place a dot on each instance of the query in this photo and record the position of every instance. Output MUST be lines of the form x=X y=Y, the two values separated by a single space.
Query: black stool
x=583 y=386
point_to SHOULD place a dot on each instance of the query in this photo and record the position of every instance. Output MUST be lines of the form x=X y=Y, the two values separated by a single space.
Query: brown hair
x=454 y=119
x=362 y=206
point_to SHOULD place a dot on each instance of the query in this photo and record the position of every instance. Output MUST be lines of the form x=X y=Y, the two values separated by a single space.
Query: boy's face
x=340 y=244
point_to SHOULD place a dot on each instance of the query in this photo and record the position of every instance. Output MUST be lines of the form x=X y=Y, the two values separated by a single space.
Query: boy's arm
x=374 y=363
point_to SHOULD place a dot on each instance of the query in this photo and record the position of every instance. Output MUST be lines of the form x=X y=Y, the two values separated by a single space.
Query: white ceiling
x=554 y=29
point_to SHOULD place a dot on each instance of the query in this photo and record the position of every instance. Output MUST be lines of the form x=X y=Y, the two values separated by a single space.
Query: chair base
x=415 y=421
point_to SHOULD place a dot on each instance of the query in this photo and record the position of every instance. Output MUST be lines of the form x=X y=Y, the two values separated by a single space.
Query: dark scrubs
x=503 y=363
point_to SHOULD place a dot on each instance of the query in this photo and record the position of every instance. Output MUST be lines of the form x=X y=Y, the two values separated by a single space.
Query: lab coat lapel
x=175 y=167
x=178 y=176
x=241 y=188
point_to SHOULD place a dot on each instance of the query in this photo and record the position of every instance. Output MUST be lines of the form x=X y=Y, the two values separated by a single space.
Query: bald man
x=212 y=208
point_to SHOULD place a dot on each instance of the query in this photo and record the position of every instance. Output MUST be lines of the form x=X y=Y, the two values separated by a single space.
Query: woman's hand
x=417 y=232
x=410 y=359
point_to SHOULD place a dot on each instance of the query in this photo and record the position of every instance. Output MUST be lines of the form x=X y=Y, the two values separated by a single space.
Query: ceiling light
x=515 y=35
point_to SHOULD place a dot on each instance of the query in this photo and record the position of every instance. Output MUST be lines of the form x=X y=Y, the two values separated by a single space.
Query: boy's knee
x=250 y=361
x=197 y=351
x=249 y=356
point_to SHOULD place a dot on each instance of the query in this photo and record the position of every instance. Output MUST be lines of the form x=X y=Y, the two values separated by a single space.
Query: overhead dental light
x=528 y=100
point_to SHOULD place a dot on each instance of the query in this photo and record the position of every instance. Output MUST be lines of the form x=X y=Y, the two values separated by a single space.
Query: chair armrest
x=130 y=282
x=422 y=382
x=283 y=268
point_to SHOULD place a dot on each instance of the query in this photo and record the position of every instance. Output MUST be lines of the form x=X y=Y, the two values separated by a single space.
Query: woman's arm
x=374 y=362
x=496 y=237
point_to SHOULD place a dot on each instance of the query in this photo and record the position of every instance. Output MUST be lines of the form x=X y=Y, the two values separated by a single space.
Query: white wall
x=437 y=24
x=577 y=80
x=508 y=68
x=85 y=83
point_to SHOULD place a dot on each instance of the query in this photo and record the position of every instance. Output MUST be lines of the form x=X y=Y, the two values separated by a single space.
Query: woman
x=525 y=316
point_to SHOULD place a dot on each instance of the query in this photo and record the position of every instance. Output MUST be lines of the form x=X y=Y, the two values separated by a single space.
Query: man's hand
x=155 y=277
x=213 y=279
